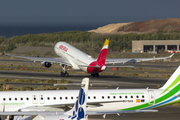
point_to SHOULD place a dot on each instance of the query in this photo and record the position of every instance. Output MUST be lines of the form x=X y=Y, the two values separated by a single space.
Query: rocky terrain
x=170 y=24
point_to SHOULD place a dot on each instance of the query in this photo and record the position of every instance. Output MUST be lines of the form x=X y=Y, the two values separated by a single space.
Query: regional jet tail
x=78 y=60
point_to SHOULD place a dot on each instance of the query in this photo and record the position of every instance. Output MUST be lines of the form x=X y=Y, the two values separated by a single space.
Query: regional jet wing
x=65 y=106
x=125 y=60
x=115 y=112
x=64 y=61
x=32 y=113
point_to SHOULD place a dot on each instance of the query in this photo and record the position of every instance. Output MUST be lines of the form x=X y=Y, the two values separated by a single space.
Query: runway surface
x=104 y=81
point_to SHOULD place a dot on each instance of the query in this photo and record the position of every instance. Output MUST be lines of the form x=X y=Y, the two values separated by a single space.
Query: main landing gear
x=95 y=75
x=64 y=72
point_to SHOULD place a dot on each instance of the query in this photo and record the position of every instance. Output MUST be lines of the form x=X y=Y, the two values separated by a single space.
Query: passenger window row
x=94 y=97
x=4 y=99
x=103 y=97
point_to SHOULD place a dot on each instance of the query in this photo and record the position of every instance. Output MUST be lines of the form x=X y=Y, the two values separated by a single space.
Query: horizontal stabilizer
x=117 y=66
x=106 y=66
x=97 y=66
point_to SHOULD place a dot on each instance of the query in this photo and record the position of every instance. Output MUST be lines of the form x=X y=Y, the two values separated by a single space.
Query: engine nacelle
x=46 y=64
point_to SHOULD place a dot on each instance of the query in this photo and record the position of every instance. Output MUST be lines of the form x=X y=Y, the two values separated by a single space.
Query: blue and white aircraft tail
x=79 y=109
x=78 y=112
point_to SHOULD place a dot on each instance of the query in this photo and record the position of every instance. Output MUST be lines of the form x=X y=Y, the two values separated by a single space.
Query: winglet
x=171 y=55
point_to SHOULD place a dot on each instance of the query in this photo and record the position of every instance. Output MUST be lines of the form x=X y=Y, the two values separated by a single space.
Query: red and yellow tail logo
x=106 y=43
x=102 y=56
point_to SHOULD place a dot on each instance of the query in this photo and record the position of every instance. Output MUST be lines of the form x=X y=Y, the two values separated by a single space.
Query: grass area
x=62 y=81
x=5 y=87
x=142 y=69
x=145 y=74
x=176 y=104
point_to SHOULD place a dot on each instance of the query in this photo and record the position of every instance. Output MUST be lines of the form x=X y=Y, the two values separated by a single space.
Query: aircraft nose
x=57 y=45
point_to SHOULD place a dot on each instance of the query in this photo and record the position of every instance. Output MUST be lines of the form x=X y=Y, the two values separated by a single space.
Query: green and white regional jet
x=98 y=100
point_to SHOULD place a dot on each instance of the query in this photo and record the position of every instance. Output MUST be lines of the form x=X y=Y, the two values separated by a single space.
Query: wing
x=64 y=61
x=125 y=60
x=32 y=113
x=115 y=112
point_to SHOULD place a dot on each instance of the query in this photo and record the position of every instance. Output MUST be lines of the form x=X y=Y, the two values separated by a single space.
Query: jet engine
x=46 y=64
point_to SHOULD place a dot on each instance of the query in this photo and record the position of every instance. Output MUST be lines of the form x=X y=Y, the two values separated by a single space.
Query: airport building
x=155 y=45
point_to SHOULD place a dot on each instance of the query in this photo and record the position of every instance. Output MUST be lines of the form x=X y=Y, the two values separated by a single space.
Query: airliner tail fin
x=173 y=81
x=79 y=109
x=102 y=56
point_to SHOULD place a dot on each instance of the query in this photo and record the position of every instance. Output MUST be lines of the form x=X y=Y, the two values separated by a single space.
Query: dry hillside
x=170 y=24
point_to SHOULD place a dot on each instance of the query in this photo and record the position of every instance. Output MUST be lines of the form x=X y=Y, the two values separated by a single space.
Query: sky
x=85 y=11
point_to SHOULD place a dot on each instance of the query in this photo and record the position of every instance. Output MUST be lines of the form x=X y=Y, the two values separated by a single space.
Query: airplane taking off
x=101 y=100
x=78 y=60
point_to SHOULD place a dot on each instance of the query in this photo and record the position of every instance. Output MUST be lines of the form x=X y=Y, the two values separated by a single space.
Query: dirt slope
x=170 y=24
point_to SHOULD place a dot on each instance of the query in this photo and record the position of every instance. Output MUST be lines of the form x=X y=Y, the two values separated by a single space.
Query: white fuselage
x=74 y=55
x=25 y=100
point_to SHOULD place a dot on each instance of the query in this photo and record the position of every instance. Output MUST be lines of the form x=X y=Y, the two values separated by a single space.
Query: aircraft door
x=151 y=97
x=42 y=99
x=34 y=99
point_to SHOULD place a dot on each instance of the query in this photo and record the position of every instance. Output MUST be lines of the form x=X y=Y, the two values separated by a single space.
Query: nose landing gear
x=64 y=72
